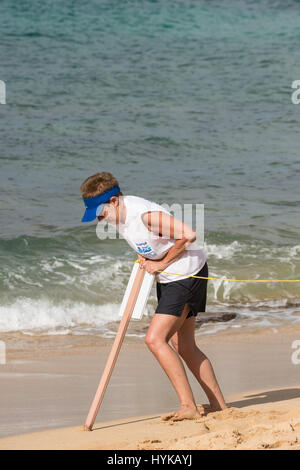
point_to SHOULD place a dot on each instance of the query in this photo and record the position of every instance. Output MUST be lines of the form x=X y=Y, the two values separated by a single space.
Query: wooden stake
x=112 y=358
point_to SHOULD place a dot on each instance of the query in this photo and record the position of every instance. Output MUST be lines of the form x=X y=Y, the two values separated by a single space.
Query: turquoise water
x=184 y=101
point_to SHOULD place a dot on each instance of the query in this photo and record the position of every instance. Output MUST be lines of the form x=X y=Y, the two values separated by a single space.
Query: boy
x=162 y=241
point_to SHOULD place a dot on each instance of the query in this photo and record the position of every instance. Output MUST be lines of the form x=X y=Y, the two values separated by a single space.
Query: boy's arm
x=168 y=227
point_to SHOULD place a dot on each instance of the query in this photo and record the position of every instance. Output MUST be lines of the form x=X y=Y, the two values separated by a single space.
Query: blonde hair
x=98 y=184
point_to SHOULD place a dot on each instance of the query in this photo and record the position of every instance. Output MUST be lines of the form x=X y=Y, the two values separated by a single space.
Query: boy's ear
x=114 y=200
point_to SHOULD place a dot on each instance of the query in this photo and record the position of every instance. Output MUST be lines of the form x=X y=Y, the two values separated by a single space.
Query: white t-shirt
x=152 y=246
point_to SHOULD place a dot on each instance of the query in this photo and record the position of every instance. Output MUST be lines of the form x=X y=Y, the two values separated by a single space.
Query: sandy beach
x=45 y=398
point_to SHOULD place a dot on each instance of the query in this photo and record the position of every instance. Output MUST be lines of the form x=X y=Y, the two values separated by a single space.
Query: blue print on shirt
x=145 y=249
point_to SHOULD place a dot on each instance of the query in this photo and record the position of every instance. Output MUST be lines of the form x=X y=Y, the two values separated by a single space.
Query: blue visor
x=94 y=204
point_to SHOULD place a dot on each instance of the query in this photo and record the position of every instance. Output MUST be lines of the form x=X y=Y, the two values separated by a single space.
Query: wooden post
x=112 y=358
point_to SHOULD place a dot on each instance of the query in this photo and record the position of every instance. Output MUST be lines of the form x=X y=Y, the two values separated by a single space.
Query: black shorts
x=173 y=295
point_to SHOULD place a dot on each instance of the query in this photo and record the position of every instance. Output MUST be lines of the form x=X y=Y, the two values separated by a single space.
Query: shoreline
x=21 y=345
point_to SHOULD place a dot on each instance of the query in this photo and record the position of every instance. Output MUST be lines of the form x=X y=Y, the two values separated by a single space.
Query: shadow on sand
x=270 y=396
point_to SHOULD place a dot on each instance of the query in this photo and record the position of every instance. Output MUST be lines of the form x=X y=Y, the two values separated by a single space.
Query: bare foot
x=201 y=409
x=212 y=409
x=184 y=413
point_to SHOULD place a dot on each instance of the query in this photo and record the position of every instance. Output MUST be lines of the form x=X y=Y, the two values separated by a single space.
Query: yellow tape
x=231 y=280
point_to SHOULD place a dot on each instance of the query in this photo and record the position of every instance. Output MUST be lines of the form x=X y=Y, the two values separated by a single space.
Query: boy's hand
x=151 y=266
x=142 y=259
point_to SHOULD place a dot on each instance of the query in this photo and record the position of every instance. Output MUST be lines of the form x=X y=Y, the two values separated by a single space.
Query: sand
x=55 y=391
x=261 y=426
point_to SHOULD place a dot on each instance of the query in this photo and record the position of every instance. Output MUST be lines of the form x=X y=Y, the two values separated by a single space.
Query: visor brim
x=89 y=215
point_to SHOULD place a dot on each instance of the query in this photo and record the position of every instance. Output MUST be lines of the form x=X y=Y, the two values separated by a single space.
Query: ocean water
x=185 y=102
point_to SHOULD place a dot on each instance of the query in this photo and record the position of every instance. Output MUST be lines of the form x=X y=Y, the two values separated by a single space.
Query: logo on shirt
x=145 y=249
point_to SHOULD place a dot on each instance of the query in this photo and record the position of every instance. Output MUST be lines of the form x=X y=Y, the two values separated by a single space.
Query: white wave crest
x=43 y=314
x=222 y=251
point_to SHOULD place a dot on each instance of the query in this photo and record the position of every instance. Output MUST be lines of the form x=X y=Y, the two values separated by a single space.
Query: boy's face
x=110 y=211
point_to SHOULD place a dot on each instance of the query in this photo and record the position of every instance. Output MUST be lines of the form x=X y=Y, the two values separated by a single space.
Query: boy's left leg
x=184 y=343
x=161 y=329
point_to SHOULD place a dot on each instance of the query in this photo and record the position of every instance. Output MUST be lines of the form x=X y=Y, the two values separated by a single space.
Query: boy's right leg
x=161 y=329
x=183 y=342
